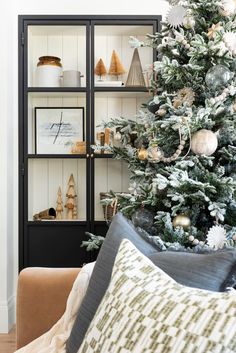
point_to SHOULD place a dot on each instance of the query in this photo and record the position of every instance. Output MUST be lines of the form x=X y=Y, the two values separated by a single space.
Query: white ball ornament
x=195 y=242
x=191 y=238
x=188 y=22
x=117 y=136
x=204 y=142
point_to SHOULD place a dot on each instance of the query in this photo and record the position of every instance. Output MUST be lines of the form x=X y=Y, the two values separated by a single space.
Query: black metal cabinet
x=79 y=41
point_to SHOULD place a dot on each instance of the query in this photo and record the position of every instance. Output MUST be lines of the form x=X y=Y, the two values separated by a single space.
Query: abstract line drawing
x=57 y=129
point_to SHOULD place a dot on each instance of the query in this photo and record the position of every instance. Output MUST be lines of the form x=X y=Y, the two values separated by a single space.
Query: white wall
x=9 y=120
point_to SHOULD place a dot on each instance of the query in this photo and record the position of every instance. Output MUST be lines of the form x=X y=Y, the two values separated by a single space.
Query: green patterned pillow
x=146 y=311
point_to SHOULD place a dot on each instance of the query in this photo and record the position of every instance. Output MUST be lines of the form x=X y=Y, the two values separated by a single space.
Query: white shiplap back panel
x=114 y=43
x=100 y=112
x=55 y=102
x=100 y=185
x=36 y=102
x=55 y=46
x=100 y=52
x=39 y=47
x=114 y=108
x=129 y=108
x=70 y=52
x=146 y=55
x=114 y=175
x=38 y=192
x=81 y=189
x=127 y=55
x=54 y=180
x=81 y=58
x=45 y=176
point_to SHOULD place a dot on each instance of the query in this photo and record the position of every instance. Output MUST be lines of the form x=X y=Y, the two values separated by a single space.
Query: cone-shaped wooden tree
x=135 y=76
x=70 y=203
x=59 y=208
x=116 y=67
x=100 y=69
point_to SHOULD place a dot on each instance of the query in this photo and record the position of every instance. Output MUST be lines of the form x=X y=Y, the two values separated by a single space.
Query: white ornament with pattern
x=229 y=39
x=176 y=16
x=216 y=237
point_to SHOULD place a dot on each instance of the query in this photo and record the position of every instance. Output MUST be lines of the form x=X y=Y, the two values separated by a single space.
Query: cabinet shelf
x=120 y=89
x=105 y=155
x=56 y=89
x=63 y=222
x=56 y=156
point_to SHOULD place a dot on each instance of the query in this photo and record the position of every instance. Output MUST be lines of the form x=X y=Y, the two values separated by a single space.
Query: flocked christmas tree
x=182 y=154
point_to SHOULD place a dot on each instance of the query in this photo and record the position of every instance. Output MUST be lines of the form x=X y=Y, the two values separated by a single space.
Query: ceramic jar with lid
x=49 y=71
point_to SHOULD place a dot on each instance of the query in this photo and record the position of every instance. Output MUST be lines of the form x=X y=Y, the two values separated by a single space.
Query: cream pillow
x=146 y=311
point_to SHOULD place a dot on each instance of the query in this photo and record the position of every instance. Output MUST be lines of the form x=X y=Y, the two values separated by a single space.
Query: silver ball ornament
x=218 y=76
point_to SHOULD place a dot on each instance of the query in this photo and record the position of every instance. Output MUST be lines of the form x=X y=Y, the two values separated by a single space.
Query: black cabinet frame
x=44 y=252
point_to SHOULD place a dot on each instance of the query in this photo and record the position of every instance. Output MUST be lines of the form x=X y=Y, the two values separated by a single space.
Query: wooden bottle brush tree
x=100 y=69
x=116 y=67
x=59 y=208
x=71 y=198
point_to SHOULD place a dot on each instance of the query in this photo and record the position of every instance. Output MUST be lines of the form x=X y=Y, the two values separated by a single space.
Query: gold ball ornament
x=181 y=221
x=142 y=154
x=204 y=142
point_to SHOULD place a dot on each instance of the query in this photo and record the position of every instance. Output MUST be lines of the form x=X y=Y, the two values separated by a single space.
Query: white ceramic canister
x=48 y=72
x=71 y=78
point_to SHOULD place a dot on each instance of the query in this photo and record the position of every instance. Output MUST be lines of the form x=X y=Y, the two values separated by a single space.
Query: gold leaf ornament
x=213 y=30
x=184 y=95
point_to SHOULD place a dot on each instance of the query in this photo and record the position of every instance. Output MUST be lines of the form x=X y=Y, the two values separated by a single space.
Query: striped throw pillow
x=146 y=311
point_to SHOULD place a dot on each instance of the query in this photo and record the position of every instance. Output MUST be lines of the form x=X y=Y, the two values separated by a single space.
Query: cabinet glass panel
x=109 y=38
x=109 y=105
x=56 y=123
x=109 y=175
x=68 y=43
x=45 y=176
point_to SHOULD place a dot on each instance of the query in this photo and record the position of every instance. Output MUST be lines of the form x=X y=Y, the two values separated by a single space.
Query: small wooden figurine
x=59 y=208
x=70 y=203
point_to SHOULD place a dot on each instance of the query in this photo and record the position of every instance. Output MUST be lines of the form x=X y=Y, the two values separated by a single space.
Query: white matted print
x=58 y=129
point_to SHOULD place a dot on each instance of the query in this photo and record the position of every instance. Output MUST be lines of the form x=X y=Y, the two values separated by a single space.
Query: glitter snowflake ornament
x=216 y=237
x=176 y=16
x=230 y=42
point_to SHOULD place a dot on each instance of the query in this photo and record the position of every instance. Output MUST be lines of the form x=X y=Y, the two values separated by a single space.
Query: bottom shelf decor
x=49 y=213
x=109 y=206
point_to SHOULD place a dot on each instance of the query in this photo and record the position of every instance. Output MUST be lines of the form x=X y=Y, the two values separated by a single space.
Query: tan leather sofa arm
x=41 y=300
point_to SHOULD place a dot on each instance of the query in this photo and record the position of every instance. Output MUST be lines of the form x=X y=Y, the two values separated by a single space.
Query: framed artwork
x=58 y=129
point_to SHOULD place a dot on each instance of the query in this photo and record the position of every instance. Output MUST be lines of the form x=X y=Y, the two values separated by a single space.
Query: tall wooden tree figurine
x=100 y=69
x=59 y=208
x=116 y=67
x=70 y=203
